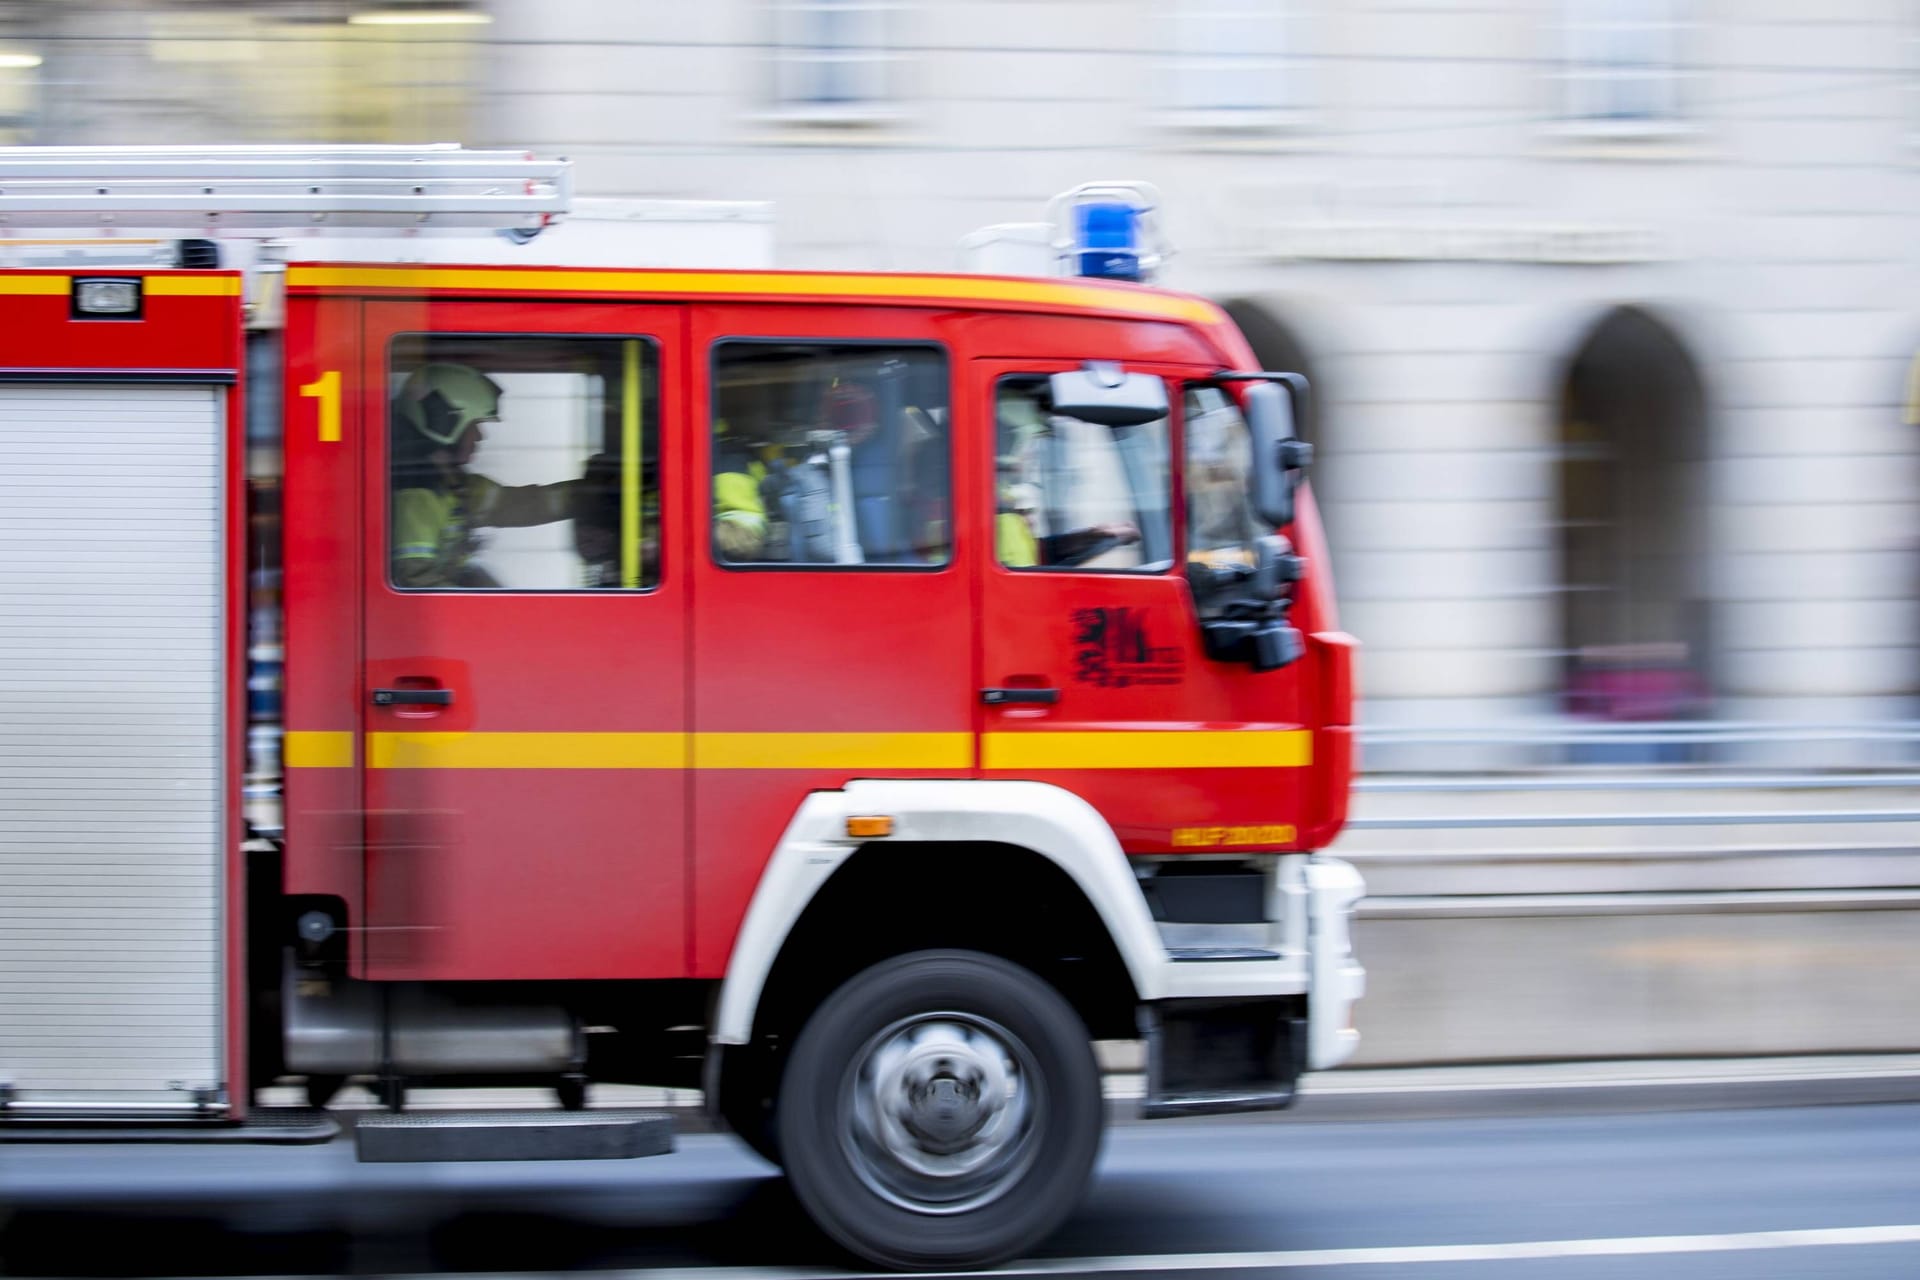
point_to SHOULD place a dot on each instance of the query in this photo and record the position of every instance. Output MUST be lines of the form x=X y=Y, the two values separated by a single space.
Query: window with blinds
x=1621 y=62
x=836 y=57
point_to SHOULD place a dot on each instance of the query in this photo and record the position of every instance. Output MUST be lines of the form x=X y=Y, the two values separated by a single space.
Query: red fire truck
x=849 y=695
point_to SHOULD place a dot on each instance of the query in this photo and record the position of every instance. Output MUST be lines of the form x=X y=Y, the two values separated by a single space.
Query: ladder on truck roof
x=262 y=191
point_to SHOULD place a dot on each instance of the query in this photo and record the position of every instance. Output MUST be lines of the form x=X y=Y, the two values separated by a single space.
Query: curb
x=1612 y=1089
x=1372 y=1094
x=1609 y=1098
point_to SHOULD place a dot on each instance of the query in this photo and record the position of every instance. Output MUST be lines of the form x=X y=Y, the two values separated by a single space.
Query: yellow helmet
x=441 y=401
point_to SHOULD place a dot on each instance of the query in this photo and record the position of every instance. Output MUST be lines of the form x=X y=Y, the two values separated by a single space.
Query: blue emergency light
x=1107 y=240
x=1108 y=231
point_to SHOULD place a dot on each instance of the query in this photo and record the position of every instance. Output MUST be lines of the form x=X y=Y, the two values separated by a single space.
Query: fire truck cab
x=849 y=695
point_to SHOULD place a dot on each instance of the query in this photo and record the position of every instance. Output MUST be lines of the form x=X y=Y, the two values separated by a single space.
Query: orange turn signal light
x=867 y=828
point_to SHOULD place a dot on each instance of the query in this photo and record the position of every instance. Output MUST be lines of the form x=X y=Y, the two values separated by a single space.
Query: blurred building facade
x=1612 y=305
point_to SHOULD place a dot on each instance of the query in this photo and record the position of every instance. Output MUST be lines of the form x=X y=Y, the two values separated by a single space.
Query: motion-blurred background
x=1612 y=308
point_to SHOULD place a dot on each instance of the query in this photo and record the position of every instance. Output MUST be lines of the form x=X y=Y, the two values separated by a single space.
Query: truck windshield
x=1074 y=494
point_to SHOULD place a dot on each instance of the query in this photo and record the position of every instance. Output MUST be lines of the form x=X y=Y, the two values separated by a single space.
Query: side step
x=420 y=1136
x=283 y=1126
x=1218 y=1056
x=1218 y=955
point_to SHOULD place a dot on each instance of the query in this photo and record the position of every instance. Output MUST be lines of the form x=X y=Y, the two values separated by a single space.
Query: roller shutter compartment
x=111 y=730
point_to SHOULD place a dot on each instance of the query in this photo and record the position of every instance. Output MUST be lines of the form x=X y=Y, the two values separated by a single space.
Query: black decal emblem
x=1111 y=649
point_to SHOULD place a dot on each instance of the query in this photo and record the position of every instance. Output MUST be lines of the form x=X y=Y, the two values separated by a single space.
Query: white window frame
x=835 y=61
x=1623 y=67
x=1215 y=48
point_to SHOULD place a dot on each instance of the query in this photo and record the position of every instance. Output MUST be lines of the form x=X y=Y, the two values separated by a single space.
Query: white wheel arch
x=1051 y=822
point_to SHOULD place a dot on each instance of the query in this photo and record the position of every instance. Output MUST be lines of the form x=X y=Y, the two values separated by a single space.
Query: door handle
x=413 y=697
x=1012 y=697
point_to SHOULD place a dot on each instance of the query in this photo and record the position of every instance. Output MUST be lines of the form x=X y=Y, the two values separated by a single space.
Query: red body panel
x=176 y=332
x=320 y=542
x=561 y=872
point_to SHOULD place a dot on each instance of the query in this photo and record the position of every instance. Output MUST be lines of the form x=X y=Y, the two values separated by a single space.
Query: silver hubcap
x=942 y=1110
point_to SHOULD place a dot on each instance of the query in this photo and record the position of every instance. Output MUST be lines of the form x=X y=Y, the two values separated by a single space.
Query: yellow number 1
x=326 y=388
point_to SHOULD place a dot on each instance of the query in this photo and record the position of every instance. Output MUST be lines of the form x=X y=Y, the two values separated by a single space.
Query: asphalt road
x=1752 y=1194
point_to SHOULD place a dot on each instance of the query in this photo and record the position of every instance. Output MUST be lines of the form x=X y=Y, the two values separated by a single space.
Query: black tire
x=749 y=1086
x=948 y=1015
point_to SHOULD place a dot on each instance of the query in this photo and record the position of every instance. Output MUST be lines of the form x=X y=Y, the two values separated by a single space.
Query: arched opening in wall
x=1632 y=519
x=1276 y=347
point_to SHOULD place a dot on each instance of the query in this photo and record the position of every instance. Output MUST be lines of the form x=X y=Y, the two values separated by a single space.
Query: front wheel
x=940 y=1110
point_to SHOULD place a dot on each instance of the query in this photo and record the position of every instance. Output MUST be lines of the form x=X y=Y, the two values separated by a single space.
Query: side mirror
x=1104 y=394
x=1278 y=454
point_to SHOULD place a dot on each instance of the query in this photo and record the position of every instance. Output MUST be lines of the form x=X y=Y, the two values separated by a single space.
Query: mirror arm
x=1296 y=384
x=1254 y=628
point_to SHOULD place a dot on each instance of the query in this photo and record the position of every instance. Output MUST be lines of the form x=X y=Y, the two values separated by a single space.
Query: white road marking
x=1620 y=1246
x=1624 y=1083
x=1293 y=1259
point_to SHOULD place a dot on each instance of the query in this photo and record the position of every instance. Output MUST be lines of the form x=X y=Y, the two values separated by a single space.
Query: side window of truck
x=523 y=463
x=830 y=454
x=1221 y=524
x=1075 y=495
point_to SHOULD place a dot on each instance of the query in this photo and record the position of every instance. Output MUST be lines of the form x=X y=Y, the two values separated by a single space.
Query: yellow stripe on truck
x=155 y=286
x=37 y=285
x=943 y=752
x=1148 y=749
x=193 y=286
x=526 y=751
x=316 y=749
x=833 y=751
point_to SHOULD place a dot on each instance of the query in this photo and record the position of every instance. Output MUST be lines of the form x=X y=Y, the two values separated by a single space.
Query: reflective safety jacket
x=433 y=542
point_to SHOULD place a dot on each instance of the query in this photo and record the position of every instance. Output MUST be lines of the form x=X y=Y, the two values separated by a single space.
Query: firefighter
x=739 y=516
x=740 y=525
x=1017 y=544
x=1013 y=537
x=441 y=413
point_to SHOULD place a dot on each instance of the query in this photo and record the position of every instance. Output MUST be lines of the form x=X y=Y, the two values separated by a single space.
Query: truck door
x=831 y=632
x=1095 y=673
x=524 y=693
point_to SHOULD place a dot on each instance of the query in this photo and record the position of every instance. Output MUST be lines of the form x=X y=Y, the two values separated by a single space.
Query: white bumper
x=1336 y=980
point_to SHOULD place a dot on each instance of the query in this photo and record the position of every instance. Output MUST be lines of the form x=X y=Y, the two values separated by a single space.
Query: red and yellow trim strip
x=891 y=752
x=759 y=285
x=158 y=285
x=1148 y=749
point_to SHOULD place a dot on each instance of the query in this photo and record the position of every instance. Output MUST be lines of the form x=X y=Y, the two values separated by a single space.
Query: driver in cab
x=1021 y=426
x=440 y=416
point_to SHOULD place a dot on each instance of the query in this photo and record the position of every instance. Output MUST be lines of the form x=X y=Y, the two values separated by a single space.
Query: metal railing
x=1513 y=821
x=1802 y=754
